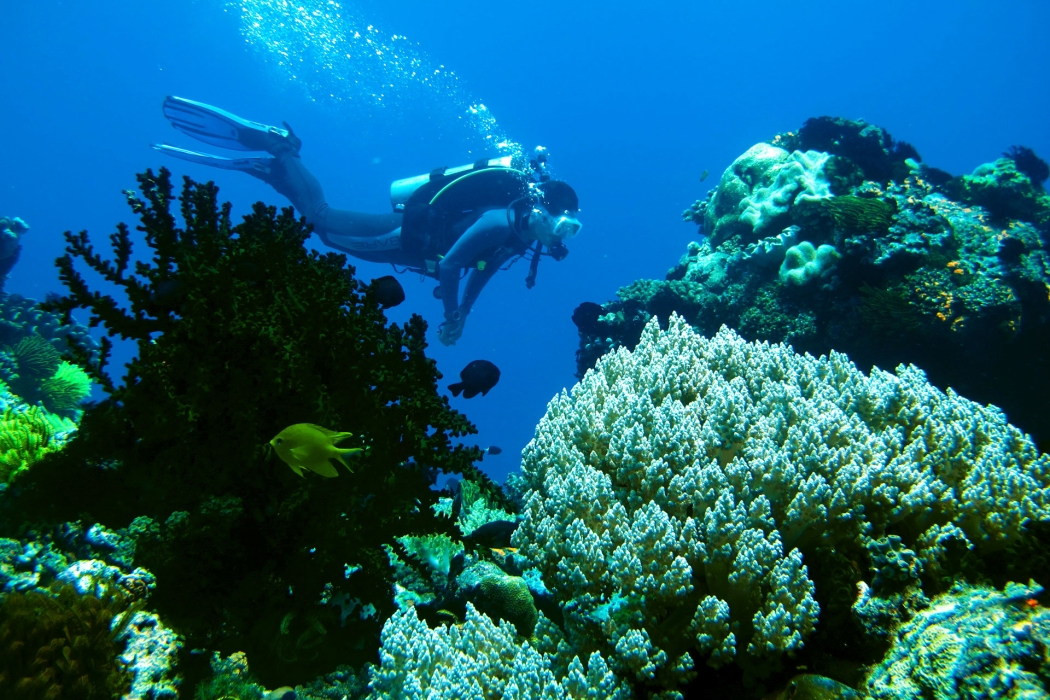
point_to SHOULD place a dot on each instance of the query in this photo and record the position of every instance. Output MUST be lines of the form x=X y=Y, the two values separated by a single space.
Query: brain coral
x=670 y=496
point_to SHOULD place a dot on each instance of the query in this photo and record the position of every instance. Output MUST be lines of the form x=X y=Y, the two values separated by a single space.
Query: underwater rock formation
x=950 y=274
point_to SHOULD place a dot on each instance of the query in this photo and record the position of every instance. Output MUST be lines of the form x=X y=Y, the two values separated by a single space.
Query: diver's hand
x=451 y=330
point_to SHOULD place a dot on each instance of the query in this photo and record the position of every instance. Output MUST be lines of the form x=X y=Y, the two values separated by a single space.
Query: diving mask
x=566 y=226
x=551 y=230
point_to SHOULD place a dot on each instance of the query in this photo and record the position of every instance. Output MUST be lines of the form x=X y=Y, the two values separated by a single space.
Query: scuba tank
x=401 y=191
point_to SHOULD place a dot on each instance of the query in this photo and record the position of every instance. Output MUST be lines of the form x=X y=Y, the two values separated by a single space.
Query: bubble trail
x=342 y=60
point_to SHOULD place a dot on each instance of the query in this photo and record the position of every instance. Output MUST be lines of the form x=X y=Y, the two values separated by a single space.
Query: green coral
x=26 y=435
x=61 y=646
x=230 y=679
x=35 y=357
x=241 y=332
x=478 y=508
x=34 y=370
x=849 y=213
x=66 y=389
x=504 y=597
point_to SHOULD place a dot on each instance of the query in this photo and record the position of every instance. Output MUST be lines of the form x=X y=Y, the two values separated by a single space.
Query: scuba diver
x=474 y=219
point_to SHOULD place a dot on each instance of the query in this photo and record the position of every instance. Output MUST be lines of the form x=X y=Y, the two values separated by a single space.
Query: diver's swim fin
x=259 y=166
x=218 y=127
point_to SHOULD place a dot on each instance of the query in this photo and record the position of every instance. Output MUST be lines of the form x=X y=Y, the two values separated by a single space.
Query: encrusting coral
x=972 y=642
x=61 y=646
x=242 y=332
x=674 y=496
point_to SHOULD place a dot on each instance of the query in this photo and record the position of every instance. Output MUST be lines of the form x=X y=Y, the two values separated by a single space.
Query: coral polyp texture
x=481 y=659
x=674 y=495
x=972 y=642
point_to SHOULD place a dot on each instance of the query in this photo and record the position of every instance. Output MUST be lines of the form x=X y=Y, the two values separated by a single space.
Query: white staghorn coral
x=671 y=494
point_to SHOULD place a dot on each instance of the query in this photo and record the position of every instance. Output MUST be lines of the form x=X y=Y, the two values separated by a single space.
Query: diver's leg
x=339 y=228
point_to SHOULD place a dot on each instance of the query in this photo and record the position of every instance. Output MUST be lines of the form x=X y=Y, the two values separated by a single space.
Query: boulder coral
x=759 y=188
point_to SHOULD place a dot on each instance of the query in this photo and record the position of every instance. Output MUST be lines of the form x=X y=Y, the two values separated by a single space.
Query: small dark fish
x=389 y=292
x=478 y=377
x=586 y=316
x=494 y=535
x=703 y=176
x=494 y=450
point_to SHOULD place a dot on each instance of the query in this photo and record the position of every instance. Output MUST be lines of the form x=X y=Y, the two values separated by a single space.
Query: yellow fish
x=308 y=446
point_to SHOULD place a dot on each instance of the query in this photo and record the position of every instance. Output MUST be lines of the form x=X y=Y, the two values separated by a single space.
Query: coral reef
x=62 y=645
x=950 y=274
x=677 y=497
x=21 y=318
x=759 y=188
x=1027 y=162
x=480 y=659
x=1005 y=192
x=242 y=332
x=971 y=642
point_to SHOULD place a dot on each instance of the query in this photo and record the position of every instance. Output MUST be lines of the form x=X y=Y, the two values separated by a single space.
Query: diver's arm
x=477 y=280
x=487 y=233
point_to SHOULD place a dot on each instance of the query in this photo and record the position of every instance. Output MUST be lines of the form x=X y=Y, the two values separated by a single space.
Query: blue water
x=633 y=103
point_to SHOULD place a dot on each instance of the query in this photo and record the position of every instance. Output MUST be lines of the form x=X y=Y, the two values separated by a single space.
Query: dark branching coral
x=868 y=146
x=1027 y=162
x=241 y=332
x=61 y=647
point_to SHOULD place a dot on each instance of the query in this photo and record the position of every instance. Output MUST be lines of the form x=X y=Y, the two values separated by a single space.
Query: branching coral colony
x=241 y=332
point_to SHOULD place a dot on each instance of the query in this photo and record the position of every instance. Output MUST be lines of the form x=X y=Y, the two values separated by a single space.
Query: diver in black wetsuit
x=474 y=218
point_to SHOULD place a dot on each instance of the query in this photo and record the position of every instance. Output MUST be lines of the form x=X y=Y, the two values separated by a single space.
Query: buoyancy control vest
x=439 y=207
